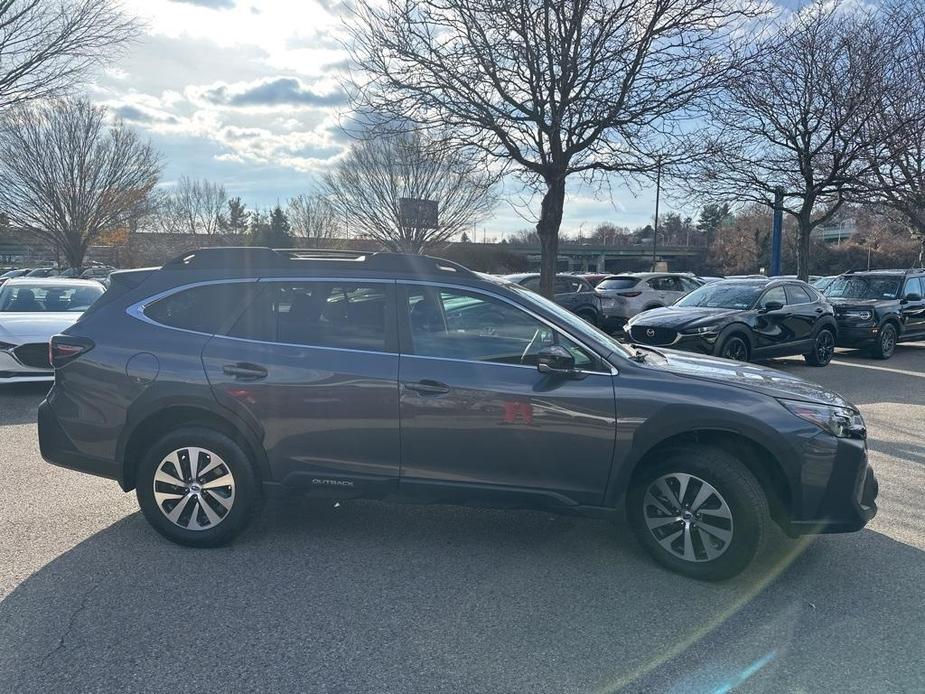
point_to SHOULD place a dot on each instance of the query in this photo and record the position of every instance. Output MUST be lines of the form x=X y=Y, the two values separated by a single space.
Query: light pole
x=658 y=194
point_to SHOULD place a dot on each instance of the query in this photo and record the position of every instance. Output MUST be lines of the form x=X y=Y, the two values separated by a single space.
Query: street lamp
x=658 y=193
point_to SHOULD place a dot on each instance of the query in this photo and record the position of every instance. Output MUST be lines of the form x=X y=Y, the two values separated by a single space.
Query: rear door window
x=342 y=315
x=798 y=295
x=618 y=283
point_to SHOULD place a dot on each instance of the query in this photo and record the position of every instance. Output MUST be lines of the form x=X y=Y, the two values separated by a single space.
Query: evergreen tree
x=236 y=222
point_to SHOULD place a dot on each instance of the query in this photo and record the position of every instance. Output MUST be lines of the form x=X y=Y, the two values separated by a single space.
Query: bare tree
x=367 y=186
x=313 y=217
x=552 y=89
x=897 y=152
x=48 y=46
x=194 y=207
x=66 y=177
x=797 y=119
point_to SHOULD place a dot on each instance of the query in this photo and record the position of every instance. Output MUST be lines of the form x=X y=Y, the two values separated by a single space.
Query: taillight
x=629 y=294
x=65 y=348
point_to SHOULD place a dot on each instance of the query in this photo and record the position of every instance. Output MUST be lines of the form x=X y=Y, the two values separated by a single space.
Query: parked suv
x=634 y=292
x=234 y=374
x=745 y=320
x=571 y=291
x=878 y=308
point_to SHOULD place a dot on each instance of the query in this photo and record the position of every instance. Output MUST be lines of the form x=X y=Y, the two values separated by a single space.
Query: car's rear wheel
x=735 y=348
x=886 y=342
x=823 y=349
x=699 y=511
x=197 y=487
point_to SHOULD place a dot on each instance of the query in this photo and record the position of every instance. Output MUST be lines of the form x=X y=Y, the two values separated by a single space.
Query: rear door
x=477 y=416
x=315 y=365
x=805 y=312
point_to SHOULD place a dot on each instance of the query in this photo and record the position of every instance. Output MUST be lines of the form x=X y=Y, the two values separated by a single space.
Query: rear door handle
x=428 y=387
x=244 y=371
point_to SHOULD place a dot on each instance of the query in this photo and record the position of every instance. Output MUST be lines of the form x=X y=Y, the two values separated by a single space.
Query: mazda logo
x=650 y=332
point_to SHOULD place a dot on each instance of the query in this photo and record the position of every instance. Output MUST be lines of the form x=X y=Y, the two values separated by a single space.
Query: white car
x=31 y=311
x=634 y=292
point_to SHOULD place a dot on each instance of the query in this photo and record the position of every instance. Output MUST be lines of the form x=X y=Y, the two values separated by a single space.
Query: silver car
x=31 y=311
x=634 y=292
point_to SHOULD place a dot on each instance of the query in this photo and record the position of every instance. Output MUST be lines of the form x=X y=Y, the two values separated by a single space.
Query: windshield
x=34 y=298
x=721 y=295
x=618 y=283
x=870 y=287
x=577 y=324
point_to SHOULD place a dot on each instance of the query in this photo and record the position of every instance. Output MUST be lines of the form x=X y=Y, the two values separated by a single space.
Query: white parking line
x=901 y=372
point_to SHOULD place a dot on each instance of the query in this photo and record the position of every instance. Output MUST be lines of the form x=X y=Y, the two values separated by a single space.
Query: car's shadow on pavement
x=19 y=402
x=370 y=596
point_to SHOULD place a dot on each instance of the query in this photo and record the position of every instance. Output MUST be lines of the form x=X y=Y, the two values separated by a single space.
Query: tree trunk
x=547 y=228
x=804 y=229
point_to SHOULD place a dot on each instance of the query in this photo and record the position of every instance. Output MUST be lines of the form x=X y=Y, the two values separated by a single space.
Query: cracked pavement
x=370 y=596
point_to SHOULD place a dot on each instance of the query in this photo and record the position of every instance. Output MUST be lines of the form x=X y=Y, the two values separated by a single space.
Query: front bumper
x=56 y=448
x=13 y=371
x=853 y=335
x=839 y=488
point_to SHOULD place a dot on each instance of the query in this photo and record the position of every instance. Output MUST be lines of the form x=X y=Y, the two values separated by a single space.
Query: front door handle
x=244 y=371
x=428 y=387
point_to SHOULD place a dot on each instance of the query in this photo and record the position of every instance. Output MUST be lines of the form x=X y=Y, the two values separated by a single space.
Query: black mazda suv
x=747 y=319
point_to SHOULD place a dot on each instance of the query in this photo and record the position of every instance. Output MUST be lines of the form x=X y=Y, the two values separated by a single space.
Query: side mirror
x=771 y=306
x=913 y=297
x=555 y=360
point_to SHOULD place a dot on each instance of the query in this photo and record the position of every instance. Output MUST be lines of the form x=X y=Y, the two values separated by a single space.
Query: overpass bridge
x=605 y=258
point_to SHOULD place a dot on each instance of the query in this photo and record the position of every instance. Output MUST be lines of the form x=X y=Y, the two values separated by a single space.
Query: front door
x=913 y=312
x=315 y=364
x=475 y=412
x=775 y=329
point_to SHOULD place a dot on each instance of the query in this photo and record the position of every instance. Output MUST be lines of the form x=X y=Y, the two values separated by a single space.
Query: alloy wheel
x=736 y=350
x=194 y=488
x=688 y=517
x=887 y=341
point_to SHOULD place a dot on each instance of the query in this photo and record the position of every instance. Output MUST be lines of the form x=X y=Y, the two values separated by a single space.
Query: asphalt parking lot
x=377 y=597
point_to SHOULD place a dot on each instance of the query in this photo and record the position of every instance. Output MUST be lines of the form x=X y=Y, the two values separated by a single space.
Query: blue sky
x=245 y=93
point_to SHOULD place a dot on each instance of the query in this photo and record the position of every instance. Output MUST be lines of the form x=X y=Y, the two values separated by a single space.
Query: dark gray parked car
x=234 y=374
x=571 y=291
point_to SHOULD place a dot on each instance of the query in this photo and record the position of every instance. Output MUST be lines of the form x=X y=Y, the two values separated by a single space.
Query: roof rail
x=266 y=258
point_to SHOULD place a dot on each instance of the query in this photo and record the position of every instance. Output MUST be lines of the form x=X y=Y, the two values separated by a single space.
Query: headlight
x=858 y=315
x=842 y=422
x=704 y=330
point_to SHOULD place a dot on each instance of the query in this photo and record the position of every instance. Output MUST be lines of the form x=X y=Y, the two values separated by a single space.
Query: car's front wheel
x=197 y=487
x=735 y=348
x=699 y=511
x=886 y=343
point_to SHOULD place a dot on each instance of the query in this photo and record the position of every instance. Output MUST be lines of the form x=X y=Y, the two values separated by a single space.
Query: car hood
x=771 y=382
x=858 y=303
x=679 y=317
x=18 y=328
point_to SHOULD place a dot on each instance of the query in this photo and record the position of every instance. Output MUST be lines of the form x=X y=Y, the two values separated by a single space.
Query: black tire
x=886 y=342
x=589 y=316
x=245 y=496
x=734 y=347
x=737 y=487
x=823 y=348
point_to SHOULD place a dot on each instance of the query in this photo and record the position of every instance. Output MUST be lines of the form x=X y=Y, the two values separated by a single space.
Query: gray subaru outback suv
x=229 y=376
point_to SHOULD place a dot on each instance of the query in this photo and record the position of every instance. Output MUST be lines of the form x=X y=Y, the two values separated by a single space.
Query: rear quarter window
x=204 y=309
